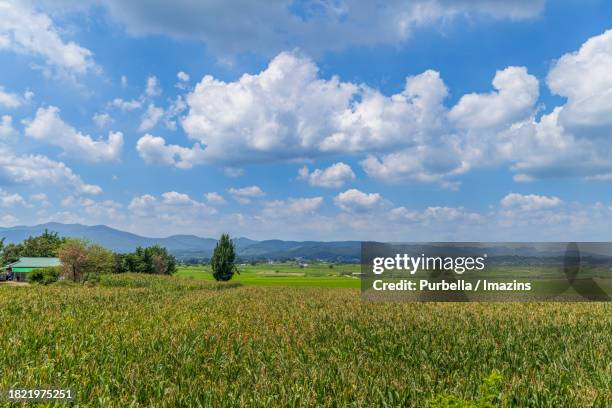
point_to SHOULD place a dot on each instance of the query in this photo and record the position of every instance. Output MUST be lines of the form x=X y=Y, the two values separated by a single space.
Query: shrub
x=44 y=276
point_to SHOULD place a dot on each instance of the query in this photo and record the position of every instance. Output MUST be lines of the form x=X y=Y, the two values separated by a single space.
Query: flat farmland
x=137 y=340
x=285 y=274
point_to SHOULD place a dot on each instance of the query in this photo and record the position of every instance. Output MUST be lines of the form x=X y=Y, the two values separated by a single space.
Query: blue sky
x=406 y=120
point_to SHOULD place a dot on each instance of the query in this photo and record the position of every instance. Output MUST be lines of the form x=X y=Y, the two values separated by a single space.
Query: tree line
x=83 y=260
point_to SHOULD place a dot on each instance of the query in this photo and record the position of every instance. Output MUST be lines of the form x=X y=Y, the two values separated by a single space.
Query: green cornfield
x=173 y=342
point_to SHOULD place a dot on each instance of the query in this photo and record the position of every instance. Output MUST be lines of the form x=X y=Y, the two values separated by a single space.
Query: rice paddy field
x=137 y=340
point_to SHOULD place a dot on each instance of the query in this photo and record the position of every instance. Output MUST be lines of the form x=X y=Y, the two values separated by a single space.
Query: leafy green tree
x=45 y=245
x=11 y=253
x=223 y=259
x=83 y=260
x=152 y=260
x=74 y=257
x=101 y=260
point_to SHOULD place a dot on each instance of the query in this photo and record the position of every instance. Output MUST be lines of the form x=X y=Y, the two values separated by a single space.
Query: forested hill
x=190 y=246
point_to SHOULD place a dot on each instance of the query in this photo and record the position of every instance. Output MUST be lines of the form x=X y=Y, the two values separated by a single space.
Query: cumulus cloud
x=573 y=139
x=8 y=220
x=421 y=164
x=9 y=99
x=40 y=170
x=354 y=200
x=41 y=199
x=154 y=150
x=435 y=214
x=92 y=210
x=150 y=118
x=26 y=31
x=182 y=76
x=287 y=111
x=529 y=202
x=214 y=198
x=49 y=127
x=126 y=106
x=6 y=127
x=292 y=207
x=334 y=176
x=11 y=199
x=102 y=119
x=172 y=113
x=515 y=94
x=245 y=195
x=584 y=77
x=153 y=89
x=174 y=207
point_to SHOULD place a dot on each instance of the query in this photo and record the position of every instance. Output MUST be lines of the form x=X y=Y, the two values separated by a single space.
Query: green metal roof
x=28 y=262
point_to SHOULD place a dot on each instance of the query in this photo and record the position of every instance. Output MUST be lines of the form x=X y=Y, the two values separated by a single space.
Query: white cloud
x=529 y=202
x=585 y=79
x=9 y=99
x=93 y=210
x=354 y=200
x=143 y=205
x=153 y=89
x=154 y=150
x=150 y=118
x=124 y=81
x=244 y=195
x=48 y=127
x=292 y=207
x=11 y=199
x=40 y=170
x=6 y=127
x=182 y=76
x=26 y=31
x=516 y=92
x=214 y=198
x=421 y=163
x=7 y=220
x=435 y=214
x=334 y=176
x=41 y=198
x=126 y=106
x=287 y=112
x=233 y=172
x=173 y=111
x=174 y=207
x=102 y=119
x=446 y=214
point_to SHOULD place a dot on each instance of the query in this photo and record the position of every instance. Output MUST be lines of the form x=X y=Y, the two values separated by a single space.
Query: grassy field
x=148 y=340
x=285 y=274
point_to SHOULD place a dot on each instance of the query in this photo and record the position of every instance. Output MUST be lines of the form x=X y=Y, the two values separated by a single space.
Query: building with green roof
x=24 y=265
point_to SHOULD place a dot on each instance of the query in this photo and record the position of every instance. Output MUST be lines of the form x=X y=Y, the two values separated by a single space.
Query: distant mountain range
x=190 y=246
